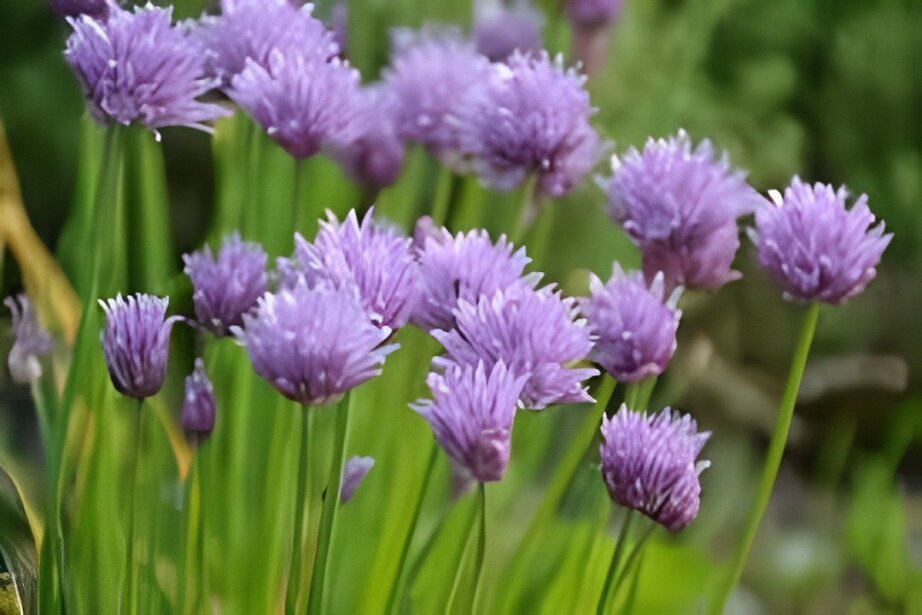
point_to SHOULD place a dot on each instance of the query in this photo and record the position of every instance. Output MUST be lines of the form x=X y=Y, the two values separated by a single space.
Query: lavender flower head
x=649 y=464
x=634 y=325
x=535 y=333
x=198 y=405
x=471 y=416
x=136 y=343
x=429 y=74
x=313 y=345
x=97 y=9
x=354 y=472
x=680 y=205
x=375 y=157
x=135 y=67
x=464 y=267
x=530 y=117
x=227 y=286
x=815 y=248
x=591 y=14
x=256 y=29
x=500 y=30
x=304 y=102
x=30 y=342
x=371 y=257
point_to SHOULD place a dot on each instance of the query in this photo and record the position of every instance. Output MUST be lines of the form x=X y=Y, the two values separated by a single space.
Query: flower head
x=313 y=345
x=354 y=472
x=303 y=102
x=198 y=404
x=30 y=342
x=649 y=464
x=530 y=117
x=429 y=74
x=375 y=157
x=680 y=205
x=464 y=267
x=593 y=13
x=471 y=416
x=635 y=326
x=373 y=258
x=136 y=343
x=815 y=248
x=227 y=286
x=135 y=67
x=535 y=333
x=256 y=29
x=97 y=9
x=501 y=30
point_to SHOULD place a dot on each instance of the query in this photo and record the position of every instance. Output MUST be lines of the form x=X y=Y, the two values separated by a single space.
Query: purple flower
x=227 y=286
x=634 y=326
x=136 y=343
x=501 y=30
x=375 y=157
x=30 y=342
x=648 y=464
x=815 y=248
x=429 y=74
x=471 y=416
x=593 y=13
x=354 y=472
x=255 y=29
x=313 y=345
x=535 y=333
x=303 y=102
x=373 y=258
x=680 y=205
x=530 y=117
x=463 y=267
x=97 y=9
x=135 y=67
x=198 y=405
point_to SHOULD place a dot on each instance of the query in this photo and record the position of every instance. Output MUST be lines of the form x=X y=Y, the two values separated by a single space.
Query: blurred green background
x=827 y=89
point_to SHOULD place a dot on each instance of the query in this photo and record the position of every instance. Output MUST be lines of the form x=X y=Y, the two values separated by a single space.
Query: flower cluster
x=30 y=342
x=501 y=30
x=198 y=404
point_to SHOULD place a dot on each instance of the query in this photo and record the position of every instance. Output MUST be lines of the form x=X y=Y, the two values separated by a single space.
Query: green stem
x=453 y=605
x=773 y=457
x=131 y=592
x=608 y=589
x=301 y=510
x=296 y=195
x=636 y=550
x=330 y=506
x=481 y=546
x=527 y=212
x=396 y=588
x=442 y=200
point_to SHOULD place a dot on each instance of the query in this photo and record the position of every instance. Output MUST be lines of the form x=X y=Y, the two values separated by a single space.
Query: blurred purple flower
x=256 y=29
x=500 y=30
x=635 y=327
x=680 y=205
x=136 y=343
x=30 y=341
x=530 y=117
x=430 y=73
x=303 y=102
x=375 y=157
x=648 y=464
x=198 y=405
x=373 y=258
x=815 y=248
x=587 y=14
x=471 y=416
x=227 y=286
x=535 y=333
x=97 y=9
x=313 y=345
x=135 y=67
x=354 y=472
x=463 y=267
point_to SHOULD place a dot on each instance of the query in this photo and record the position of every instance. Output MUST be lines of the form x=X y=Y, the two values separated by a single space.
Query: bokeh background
x=827 y=89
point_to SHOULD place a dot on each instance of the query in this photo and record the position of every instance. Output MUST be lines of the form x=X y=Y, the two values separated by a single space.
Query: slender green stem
x=396 y=587
x=443 y=189
x=301 y=510
x=462 y=564
x=330 y=506
x=481 y=546
x=772 y=458
x=131 y=568
x=296 y=195
x=528 y=209
x=636 y=550
x=423 y=555
x=608 y=589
